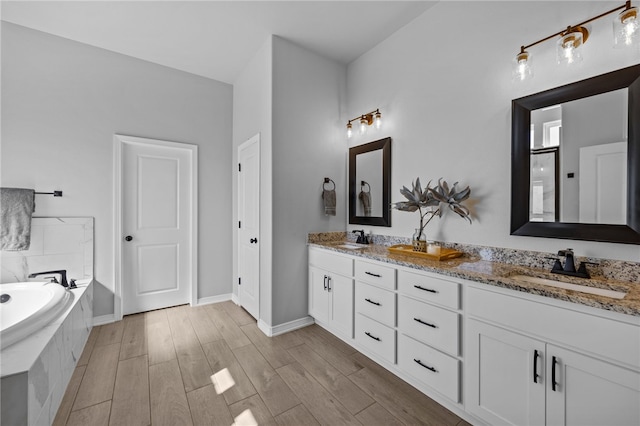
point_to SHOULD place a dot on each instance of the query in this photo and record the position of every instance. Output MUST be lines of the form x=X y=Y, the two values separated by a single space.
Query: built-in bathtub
x=27 y=307
x=36 y=369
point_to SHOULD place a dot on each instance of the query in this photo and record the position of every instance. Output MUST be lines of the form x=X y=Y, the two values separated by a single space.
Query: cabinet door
x=500 y=385
x=589 y=391
x=341 y=305
x=318 y=295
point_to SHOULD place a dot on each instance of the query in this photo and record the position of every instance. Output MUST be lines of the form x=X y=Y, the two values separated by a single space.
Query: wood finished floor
x=211 y=365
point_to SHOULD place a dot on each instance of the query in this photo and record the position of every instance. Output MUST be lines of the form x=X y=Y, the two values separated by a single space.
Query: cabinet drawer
x=376 y=303
x=376 y=337
x=429 y=288
x=383 y=276
x=430 y=366
x=328 y=261
x=429 y=324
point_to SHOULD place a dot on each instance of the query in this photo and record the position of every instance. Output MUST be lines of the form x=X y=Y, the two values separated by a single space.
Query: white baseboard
x=213 y=299
x=104 y=319
x=234 y=299
x=286 y=327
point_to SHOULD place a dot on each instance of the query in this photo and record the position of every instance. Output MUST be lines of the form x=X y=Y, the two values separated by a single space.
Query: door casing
x=119 y=141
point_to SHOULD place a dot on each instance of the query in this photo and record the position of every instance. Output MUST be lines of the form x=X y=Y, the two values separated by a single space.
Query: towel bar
x=54 y=193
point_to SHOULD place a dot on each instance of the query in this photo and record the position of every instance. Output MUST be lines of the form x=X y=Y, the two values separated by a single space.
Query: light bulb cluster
x=365 y=120
x=626 y=32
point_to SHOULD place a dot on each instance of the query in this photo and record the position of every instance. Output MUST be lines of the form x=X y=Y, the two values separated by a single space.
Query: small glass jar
x=419 y=241
x=433 y=248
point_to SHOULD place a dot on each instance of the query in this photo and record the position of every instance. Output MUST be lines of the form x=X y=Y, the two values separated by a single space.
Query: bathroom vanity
x=490 y=348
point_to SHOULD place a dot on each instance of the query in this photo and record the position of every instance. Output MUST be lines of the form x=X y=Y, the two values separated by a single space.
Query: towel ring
x=363 y=183
x=326 y=181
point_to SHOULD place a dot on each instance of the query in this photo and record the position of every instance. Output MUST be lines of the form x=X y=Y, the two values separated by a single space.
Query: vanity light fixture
x=626 y=31
x=373 y=117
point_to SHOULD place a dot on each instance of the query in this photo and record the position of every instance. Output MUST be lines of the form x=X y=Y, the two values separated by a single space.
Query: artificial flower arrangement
x=430 y=203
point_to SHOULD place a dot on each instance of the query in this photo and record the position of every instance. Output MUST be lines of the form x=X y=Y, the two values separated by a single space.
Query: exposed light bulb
x=349 y=130
x=522 y=66
x=626 y=28
x=363 y=125
x=568 y=49
x=378 y=120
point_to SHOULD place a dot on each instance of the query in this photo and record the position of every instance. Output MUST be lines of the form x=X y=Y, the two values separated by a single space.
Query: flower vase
x=419 y=241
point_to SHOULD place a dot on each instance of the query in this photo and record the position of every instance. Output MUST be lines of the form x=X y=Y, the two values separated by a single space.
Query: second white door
x=249 y=225
x=157 y=202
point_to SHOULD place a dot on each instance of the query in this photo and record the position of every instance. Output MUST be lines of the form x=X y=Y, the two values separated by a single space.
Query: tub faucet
x=61 y=272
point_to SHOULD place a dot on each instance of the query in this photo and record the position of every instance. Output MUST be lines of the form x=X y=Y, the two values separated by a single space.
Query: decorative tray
x=407 y=250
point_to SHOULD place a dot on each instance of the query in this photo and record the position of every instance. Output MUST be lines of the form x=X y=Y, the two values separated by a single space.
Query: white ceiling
x=216 y=39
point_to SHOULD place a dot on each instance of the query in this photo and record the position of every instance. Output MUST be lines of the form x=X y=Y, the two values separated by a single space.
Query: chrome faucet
x=362 y=239
x=569 y=267
x=63 y=277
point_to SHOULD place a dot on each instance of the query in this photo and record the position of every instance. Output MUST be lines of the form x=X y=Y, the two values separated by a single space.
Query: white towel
x=16 y=207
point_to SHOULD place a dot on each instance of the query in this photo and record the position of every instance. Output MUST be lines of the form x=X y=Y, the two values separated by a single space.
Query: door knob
x=128 y=238
x=253 y=240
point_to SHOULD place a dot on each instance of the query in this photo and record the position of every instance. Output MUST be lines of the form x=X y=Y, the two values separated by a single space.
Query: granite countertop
x=473 y=268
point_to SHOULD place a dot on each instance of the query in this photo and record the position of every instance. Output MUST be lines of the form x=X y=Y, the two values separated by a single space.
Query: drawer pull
x=536 y=355
x=325 y=282
x=372 y=336
x=425 y=323
x=420 y=363
x=372 y=302
x=372 y=274
x=425 y=289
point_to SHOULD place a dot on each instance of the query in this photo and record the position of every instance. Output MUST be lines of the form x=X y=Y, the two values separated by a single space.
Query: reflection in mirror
x=575 y=170
x=579 y=160
x=370 y=183
x=369 y=176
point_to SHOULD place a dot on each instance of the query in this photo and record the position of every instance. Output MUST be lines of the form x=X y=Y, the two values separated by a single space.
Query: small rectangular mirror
x=370 y=183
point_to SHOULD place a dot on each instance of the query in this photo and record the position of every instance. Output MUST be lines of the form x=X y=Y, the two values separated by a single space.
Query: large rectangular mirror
x=576 y=160
x=370 y=183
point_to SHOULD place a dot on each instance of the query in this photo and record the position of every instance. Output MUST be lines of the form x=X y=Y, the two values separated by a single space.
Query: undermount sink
x=352 y=246
x=575 y=287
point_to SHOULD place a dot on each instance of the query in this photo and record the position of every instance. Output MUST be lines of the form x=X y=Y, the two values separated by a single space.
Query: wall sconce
x=626 y=32
x=373 y=117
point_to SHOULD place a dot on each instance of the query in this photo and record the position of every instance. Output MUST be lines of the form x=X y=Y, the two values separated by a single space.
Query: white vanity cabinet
x=531 y=363
x=487 y=353
x=331 y=291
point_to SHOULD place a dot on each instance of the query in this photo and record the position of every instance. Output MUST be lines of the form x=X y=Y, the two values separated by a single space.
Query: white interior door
x=249 y=225
x=603 y=183
x=157 y=224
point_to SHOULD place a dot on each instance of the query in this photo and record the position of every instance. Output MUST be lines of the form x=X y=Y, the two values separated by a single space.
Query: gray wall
x=252 y=112
x=294 y=99
x=62 y=102
x=447 y=106
x=308 y=144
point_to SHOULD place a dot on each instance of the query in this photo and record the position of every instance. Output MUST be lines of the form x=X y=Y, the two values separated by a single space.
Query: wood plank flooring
x=211 y=365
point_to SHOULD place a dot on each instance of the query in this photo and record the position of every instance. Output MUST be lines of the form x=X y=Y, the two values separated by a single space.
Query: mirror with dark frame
x=575 y=160
x=370 y=183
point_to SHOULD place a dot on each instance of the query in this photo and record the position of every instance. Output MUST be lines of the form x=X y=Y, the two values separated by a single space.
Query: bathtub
x=29 y=306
